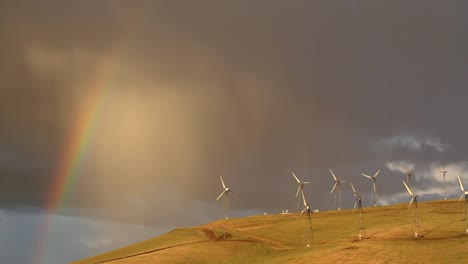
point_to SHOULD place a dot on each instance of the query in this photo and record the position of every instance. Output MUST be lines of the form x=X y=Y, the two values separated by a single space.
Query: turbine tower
x=359 y=222
x=338 y=190
x=300 y=189
x=308 y=234
x=414 y=211
x=465 y=208
x=224 y=194
x=374 y=189
x=409 y=174
x=443 y=171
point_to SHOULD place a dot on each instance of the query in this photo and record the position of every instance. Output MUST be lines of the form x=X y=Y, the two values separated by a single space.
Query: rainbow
x=74 y=150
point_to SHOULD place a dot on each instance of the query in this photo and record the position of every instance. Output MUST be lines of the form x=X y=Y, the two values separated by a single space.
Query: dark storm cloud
x=250 y=90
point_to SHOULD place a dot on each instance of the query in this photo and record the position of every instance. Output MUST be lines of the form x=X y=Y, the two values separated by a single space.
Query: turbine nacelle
x=443 y=172
x=371 y=177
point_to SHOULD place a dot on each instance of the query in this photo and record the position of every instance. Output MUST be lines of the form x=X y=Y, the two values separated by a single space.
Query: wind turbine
x=338 y=190
x=374 y=189
x=358 y=198
x=224 y=194
x=465 y=194
x=443 y=171
x=299 y=189
x=359 y=222
x=308 y=234
x=414 y=211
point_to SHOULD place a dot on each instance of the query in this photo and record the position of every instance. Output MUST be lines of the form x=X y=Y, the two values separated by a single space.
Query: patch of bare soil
x=351 y=248
x=274 y=244
x=210 y=234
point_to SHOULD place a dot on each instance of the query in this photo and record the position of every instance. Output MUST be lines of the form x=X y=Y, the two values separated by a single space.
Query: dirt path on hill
x=269 y=242
x=151 y=251
x=210 y=234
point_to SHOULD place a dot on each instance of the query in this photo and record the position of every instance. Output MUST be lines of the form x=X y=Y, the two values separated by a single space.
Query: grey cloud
x=411 y=143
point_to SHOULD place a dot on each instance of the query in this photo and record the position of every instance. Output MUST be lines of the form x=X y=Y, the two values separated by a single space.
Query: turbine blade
x=334 y=186
x=304 y=200
x=411 y=202
x=461 y=184
x=375 y=189
x=354 y=190
x=298 y=190
x=367 y=176
x=220 y=195
x=298 y=181
x=222 y=182
x=461 y=197
x=302 y=212
x=355 y=204
x=377 y=173
x=407 y=188
x=334 y=177
x=305 y=182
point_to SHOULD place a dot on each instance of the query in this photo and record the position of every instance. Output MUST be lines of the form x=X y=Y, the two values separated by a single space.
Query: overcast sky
x=250 y=90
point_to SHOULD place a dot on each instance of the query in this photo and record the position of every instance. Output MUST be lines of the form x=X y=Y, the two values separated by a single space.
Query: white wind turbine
x=308 y=234
x=374 y=189
x=338 y=190
x=465 y=208
x=300 y=189
x=414 y=211
x=443 y=171
x=359 y=222
x=464 y=193
x=358 y=199
x=224 y=194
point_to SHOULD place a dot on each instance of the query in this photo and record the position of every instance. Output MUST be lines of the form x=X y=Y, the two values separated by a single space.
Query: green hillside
x=388 y=238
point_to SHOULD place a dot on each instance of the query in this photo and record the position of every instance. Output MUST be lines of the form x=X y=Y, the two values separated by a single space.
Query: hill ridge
x=278 y=239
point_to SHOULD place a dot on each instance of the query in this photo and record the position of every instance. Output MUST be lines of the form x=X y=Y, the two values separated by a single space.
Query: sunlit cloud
x=428 y=179
x=400 y=166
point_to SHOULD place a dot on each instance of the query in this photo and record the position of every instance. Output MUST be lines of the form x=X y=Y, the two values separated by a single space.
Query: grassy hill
x=388 y=237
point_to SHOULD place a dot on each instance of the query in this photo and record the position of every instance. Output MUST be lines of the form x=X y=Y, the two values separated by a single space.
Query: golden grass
x=389 y=238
